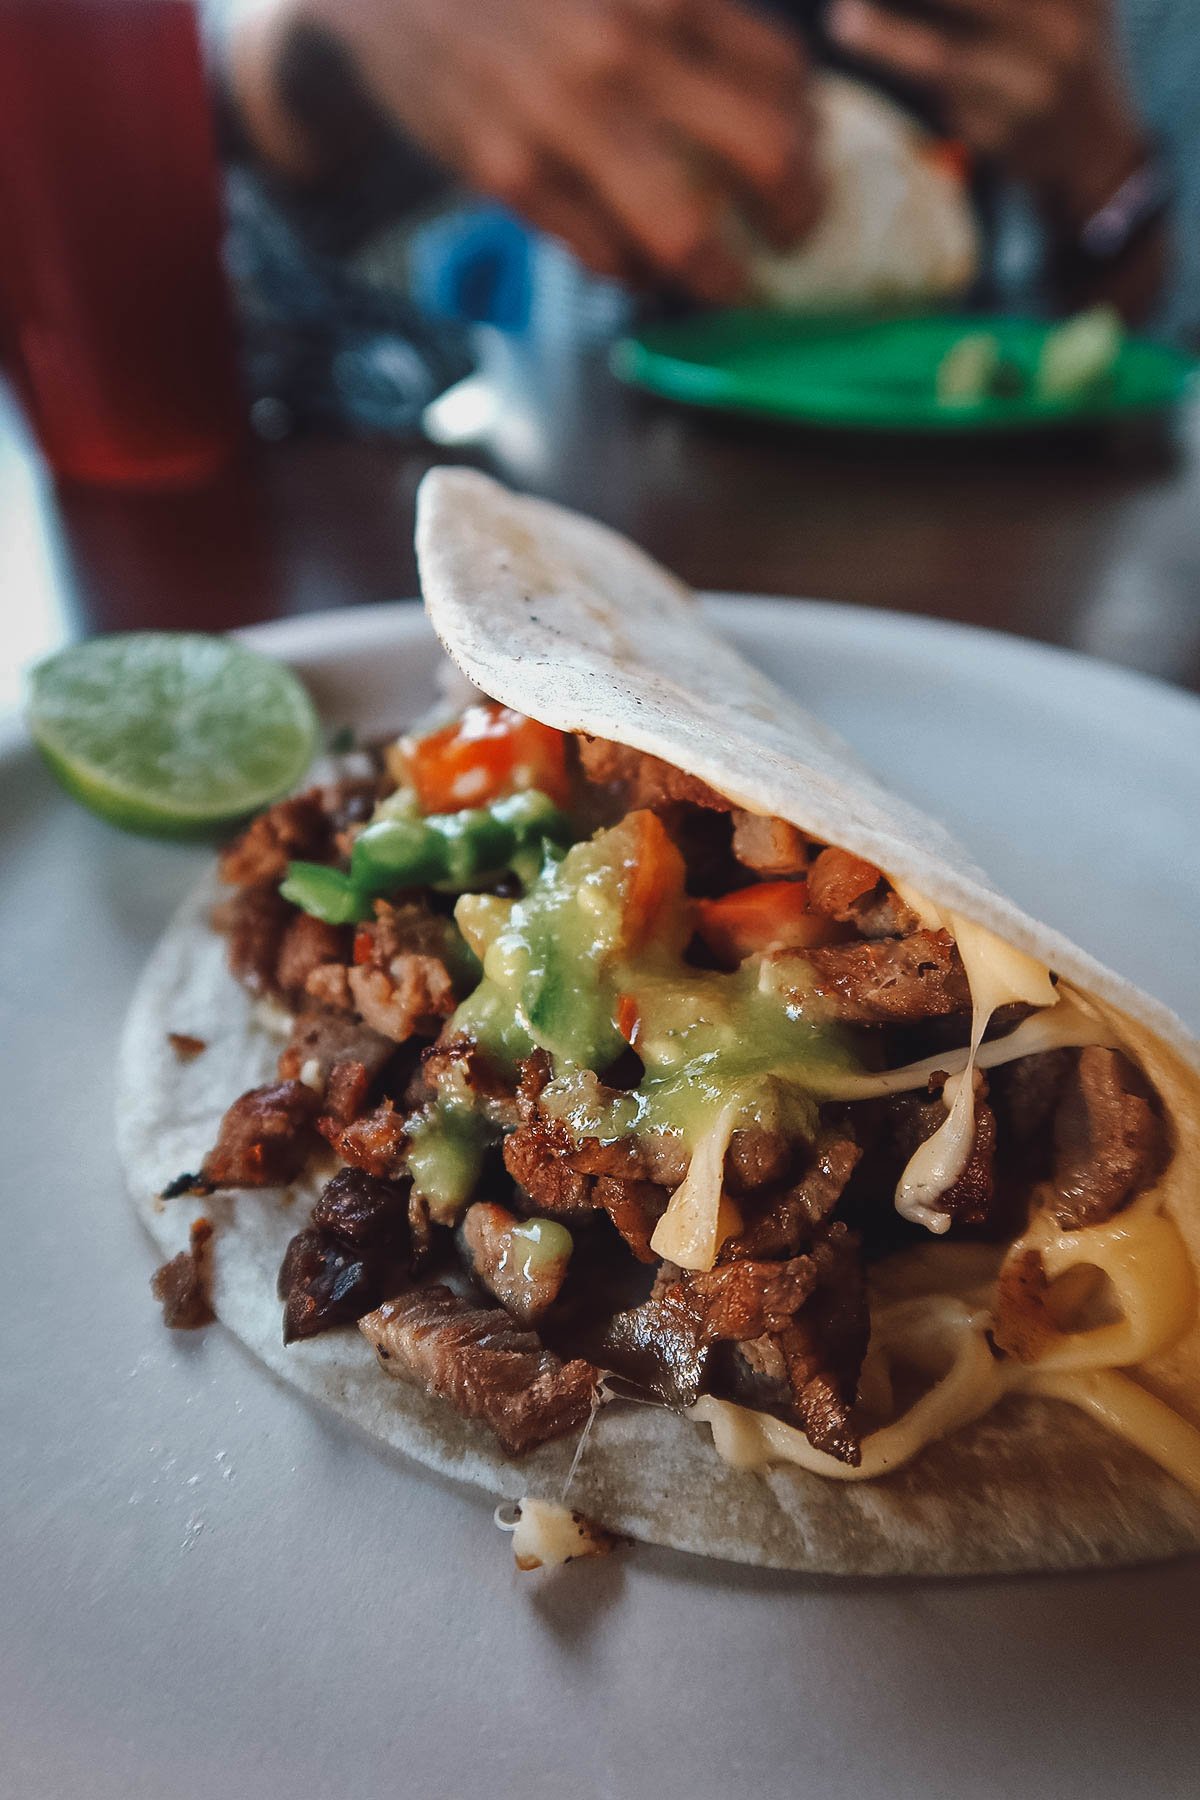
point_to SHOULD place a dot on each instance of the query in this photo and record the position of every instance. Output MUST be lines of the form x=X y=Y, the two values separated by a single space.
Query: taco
x=896 y=225
x=617 y=1035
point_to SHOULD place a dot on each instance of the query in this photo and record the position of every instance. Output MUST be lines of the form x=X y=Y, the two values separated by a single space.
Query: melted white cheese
x=997 y=975
x=944 y=1334
x=700 y=1217
x=969 y=1386
x=1070 y=1023
x=1153 y=1286
x=546 y=1535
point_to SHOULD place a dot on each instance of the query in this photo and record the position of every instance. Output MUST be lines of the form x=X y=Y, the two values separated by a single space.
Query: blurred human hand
x=1035 y=84
x=629 y=128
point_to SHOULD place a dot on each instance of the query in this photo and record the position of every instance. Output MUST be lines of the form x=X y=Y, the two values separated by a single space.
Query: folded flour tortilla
x=556 y=616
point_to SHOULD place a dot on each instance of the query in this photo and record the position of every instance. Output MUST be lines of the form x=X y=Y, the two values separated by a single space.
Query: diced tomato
x=628 y=1020
x=770 y=915
x=653 y=876
x=491 y=750
x=364 y=945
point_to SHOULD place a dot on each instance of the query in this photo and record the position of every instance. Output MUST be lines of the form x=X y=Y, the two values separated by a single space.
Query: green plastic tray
x=877 y=374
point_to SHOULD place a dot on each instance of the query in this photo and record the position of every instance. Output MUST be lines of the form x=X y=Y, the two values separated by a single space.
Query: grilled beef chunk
x=1024 y=1096
x=323 y=1283
x=808 y=1371
x=1109 y=1142
x=406 y=928
x=181 y=1286
x=364 y=1210
x=376 y=1142
x=635 y=1207
x=483 y=1364
x=742 y=1300
x=346 y=1093
x=460 y=1059
x=303 y=827
x=790 y=1218
x=329 y=985
x=298 y=827
x=757 y=1158
x=644 y=780
x=769 y=846
x=824 y=1347
x=889 y=982
x=847 y=888
x=665 y=1345
x=265 y=1138
x=400 y=982
x=628 y=1178
x=336 y=1269
x=307 y=944
x=535 y=1155
x=839 y=882
x=321 y=1041
x=913 y=1118
x=409 y=998
x=254 y=921
x=525 y=1285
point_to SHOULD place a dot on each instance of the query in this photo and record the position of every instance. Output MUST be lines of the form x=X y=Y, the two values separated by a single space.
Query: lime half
x=171 y=732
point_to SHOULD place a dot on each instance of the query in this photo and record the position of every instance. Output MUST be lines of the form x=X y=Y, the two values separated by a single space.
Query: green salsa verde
x=557 y=965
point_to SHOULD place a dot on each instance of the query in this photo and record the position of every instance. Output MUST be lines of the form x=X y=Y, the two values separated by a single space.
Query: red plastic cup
x=117 y=319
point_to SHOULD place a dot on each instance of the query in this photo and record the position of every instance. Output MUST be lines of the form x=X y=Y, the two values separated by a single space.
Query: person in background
x=629 y=129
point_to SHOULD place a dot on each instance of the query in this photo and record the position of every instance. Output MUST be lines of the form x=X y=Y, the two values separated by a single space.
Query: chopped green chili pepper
x=453 y=848
x=325 y=893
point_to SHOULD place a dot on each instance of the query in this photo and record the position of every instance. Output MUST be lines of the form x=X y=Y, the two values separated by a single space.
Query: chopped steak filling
x=1109 y=1142
x=364 y=1210
x=484 y=1364
x=526 y=1282
x=914 y=1118
x=376 y=1142
x=323 y=1283
x=852 y=891
x=892 y=981
x=770 y=846
x=254 y=921
x=322 y=1041
x=182 y=1285
x=406 y=998
x=307 y=944
x=791 y=1217
x=265 y=1138
x=457 y=1161
x=644 y=780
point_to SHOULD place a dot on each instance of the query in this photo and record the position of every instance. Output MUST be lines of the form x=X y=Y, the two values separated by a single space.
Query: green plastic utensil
x=880 y=374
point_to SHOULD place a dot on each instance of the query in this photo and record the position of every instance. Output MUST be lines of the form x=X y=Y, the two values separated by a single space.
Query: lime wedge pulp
x=170 y=732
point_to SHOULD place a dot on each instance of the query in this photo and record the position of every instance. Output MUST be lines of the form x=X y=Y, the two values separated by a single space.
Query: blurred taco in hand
x=636 y=1042
x=896 y=226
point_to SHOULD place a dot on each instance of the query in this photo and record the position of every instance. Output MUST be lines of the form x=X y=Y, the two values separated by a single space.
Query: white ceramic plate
x=209 y=1589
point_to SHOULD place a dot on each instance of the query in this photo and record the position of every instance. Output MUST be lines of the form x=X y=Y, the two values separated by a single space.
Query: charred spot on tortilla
x=185 y=1184
x=635 y=1040
x=185 y=1046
